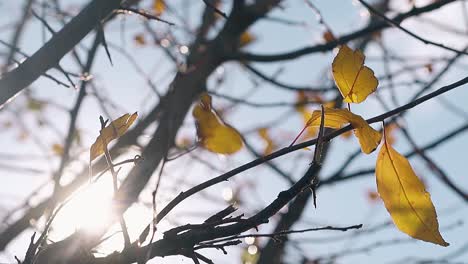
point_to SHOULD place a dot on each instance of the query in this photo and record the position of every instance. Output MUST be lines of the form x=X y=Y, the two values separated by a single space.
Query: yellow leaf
x=57 y=149
x=159 y=7
x=328 y=36
x=354 y=80
x=270 y=145
x=330 y=104
x=368 y=137
x=372 y=196
x=429 y=67
x=302 y=99
x=140 y=39
x=114 y=130
x=205 y=101
x=214 y=134
x=405 y=197
x=334 y=118
x=246 y=38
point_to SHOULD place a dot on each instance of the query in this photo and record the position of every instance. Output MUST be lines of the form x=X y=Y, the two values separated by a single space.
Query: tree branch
x=377 y=26
x=52 y=52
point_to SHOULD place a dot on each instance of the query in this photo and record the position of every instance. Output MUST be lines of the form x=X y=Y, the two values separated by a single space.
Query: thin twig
x=397 y=25
x=143 y=13
x=215 y=9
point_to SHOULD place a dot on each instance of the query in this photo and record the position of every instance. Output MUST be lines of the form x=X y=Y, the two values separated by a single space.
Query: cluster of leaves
x=402 y=192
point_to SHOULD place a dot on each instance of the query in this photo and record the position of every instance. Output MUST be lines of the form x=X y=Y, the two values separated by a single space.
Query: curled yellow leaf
x=368 y=137
x=334 y=118
x=354 y=80
x=214 y=134
x=405 y=197
x=302 y=99
x=114 y=130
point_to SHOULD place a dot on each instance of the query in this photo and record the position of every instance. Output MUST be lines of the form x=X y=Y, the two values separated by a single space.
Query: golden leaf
x=372 y=196
x=368 y=137
x=334 y=118
x=246 y=38
x=405 y=197
x=214 y=134
x=328 y=36
x=114 y=130
x=159 y=7
x=429 y=67
x=140 y=39
x=354 y=80
x=57 y=149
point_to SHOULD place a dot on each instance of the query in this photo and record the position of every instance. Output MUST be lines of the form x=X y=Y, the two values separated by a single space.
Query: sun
x=90 y=210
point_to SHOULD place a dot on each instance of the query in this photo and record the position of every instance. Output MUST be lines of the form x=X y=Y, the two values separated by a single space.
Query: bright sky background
x=341 y=205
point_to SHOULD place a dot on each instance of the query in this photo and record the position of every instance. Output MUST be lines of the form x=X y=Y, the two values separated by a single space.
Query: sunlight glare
x=88 y=209
x=136 y=218
x=249 y=240
x=252 y=249
x=184 y=49
x=227 y=194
